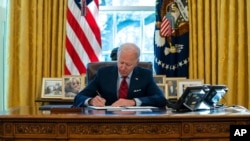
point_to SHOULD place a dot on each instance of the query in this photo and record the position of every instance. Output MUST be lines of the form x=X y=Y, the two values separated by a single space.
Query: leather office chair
x=94 y=66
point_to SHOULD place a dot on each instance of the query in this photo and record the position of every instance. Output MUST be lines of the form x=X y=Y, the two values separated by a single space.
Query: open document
x=126 y=108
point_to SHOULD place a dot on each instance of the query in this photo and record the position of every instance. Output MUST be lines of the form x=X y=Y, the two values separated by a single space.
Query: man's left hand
x=123 y=102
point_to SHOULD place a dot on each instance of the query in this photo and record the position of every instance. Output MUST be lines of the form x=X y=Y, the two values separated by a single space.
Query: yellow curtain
x=248 y=55
x=219 y=42
x=36 y=47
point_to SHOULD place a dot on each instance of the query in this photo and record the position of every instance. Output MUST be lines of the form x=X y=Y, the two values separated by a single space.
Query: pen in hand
x=98 y=93
x=99 y=101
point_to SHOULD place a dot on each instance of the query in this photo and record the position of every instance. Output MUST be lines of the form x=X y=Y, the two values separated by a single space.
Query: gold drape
x=219 y=42
x=36 y=47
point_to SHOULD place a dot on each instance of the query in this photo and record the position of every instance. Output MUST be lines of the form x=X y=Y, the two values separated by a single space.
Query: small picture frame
x=72 y=85
x=172 y=91
x=160 y=79
x=85 y=81
x=182 y=84
x=164 y=89
x=52 y=88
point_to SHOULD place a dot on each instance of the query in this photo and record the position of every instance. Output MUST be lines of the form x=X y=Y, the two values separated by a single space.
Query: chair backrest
x=94 y=66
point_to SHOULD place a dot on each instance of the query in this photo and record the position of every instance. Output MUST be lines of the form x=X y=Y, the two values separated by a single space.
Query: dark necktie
x=123 y=91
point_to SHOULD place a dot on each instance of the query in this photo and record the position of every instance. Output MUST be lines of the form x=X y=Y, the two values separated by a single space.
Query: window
x=3 y=21
x=127 y=21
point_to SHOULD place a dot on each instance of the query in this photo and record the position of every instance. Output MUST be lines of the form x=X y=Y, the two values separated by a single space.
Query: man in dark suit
x=104 y=88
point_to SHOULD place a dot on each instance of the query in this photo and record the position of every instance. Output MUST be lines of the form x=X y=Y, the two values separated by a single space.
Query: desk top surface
x=26 y=112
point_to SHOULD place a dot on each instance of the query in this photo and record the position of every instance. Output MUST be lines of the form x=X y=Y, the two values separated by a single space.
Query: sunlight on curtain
x=248 y=54
x=218 y=46
x=36 y=46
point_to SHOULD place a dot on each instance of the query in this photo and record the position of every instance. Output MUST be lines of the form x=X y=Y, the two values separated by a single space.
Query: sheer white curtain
x=3 y=24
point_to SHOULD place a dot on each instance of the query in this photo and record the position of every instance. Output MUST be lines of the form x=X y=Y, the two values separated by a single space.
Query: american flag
x=83 y=37
x=166 y=28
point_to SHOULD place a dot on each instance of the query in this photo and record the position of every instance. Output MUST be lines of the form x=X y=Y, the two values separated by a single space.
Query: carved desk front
x=29 y=123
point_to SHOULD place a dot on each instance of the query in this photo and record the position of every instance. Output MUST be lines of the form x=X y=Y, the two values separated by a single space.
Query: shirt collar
x=129 y=75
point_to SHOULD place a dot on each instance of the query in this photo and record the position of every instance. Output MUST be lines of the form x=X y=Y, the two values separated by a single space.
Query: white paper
x=106 y=107
x=140 y=107
x=123 y=108
x=141 y=110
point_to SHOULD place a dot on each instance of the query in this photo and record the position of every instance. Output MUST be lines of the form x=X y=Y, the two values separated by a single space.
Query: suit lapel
x=134 y=80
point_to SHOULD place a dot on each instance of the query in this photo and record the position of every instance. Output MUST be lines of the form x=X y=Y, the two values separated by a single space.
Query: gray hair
x=129 y=46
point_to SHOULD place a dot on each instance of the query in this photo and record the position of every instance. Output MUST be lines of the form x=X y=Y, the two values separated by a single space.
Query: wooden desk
x=28 y=123
x=45 y=101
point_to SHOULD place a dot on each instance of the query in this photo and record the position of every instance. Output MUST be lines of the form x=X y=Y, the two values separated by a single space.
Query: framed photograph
x=84 y=76
x=164 y=88
x=72 y=85
x=172 y=92
x=52 y=88
x=182 y=84
x=160 y=79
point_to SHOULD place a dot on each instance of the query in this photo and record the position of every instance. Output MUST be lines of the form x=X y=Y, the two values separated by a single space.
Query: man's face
x=126 y=63
x=170 y=83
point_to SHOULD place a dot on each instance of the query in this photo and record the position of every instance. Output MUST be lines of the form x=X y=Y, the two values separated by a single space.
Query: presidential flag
x=83 y=37
x=171 y=38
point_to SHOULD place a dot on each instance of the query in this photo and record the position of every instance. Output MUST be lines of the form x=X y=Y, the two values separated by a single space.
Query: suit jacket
x=142 y=86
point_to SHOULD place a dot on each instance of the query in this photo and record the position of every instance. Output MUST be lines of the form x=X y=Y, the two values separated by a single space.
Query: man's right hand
x=97 y=101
